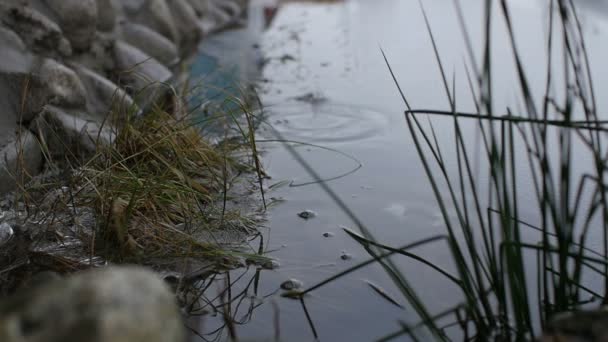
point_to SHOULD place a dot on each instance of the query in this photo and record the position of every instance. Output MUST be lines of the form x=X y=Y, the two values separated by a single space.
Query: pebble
x=346 y=256
x=6 y=233
x=291 y=284
x=271 y=265
x=172 y=280
x=307 y=214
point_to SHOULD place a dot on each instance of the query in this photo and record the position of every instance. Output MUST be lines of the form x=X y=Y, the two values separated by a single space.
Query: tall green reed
x=490 y=242
x=487 y=236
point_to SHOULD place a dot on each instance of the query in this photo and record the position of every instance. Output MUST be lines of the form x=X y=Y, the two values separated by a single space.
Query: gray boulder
x=100 y=55
x=77 y=19
x=106 y=15
x=220 y=15
x=187 y=24
x=14 y=54
x=47 y=82
x=150 y=42
x=579 y=326
x=40 y=33
x=132 y=6
x=155 y=14
x=139 y=71
x=15 y=60
x=200 y=7
x=116 y=304
x=58 y=85
x=71 y=133
x=20 y=156
x=103 y=96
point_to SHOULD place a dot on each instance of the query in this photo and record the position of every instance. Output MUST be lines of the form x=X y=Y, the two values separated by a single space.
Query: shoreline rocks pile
x=65 y=65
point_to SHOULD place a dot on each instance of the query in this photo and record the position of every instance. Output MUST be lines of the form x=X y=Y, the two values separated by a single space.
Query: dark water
x=324 y=84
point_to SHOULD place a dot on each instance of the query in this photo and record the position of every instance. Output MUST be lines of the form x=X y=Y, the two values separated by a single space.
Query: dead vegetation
x=156 y=194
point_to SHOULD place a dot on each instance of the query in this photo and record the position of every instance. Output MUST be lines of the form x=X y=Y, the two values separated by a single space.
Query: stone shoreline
x=67 y=64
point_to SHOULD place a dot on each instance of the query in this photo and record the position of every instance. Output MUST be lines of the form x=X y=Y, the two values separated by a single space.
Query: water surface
x=326 y=89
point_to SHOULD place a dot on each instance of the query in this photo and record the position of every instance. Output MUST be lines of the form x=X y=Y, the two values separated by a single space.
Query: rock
x=14 y=54
x=346 y=256
x=58 y=85
x=77 y=19
x=155 y=14
x=218 y=17
x=20 y=156
x=150 y=42
x=132 y=6
x=16 y=60
x=577 y=327
x=328 y=234
x=200 y=7
x=307 y=214
x=6 y=233
x=48 y=82
x=41 y=279
x=271 y=264
x=230 y=7
x=187 y=24
x=103 y=96
x=99 y=56
x=40 y=33
x=106 y=15
x=291 y=284
x=71 y=133
x=116 y=304
x=172 y=280
x=139 y=71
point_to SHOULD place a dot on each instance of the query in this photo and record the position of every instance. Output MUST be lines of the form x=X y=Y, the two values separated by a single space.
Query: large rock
x=231 y=7
x=100 y=55
x=25 y=93
x=187 y=24
x=581 y=326
x=58 y=85
x=106 y=15
x=155 y=14
x=143 y=74
x=200 y=7
x=103 y=96
x=150 y=42
x=72 y=134
x=20 y=156
x=14 y=54
x=77 y=19
x=15 y=60
x=120 y=304
x=40 y=33
x=220 y=15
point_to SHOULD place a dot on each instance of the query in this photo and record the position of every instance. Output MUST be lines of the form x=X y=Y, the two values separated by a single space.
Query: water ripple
x=327 y=122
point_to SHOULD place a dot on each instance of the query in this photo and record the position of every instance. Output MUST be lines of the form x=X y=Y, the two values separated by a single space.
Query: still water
x=324 y=85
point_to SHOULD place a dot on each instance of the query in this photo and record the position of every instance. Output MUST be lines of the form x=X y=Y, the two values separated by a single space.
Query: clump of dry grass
x=152 y=190
x=157 y=186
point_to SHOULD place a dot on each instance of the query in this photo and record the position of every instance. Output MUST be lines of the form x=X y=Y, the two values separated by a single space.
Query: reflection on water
x=324 y=83
x=597 y=5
